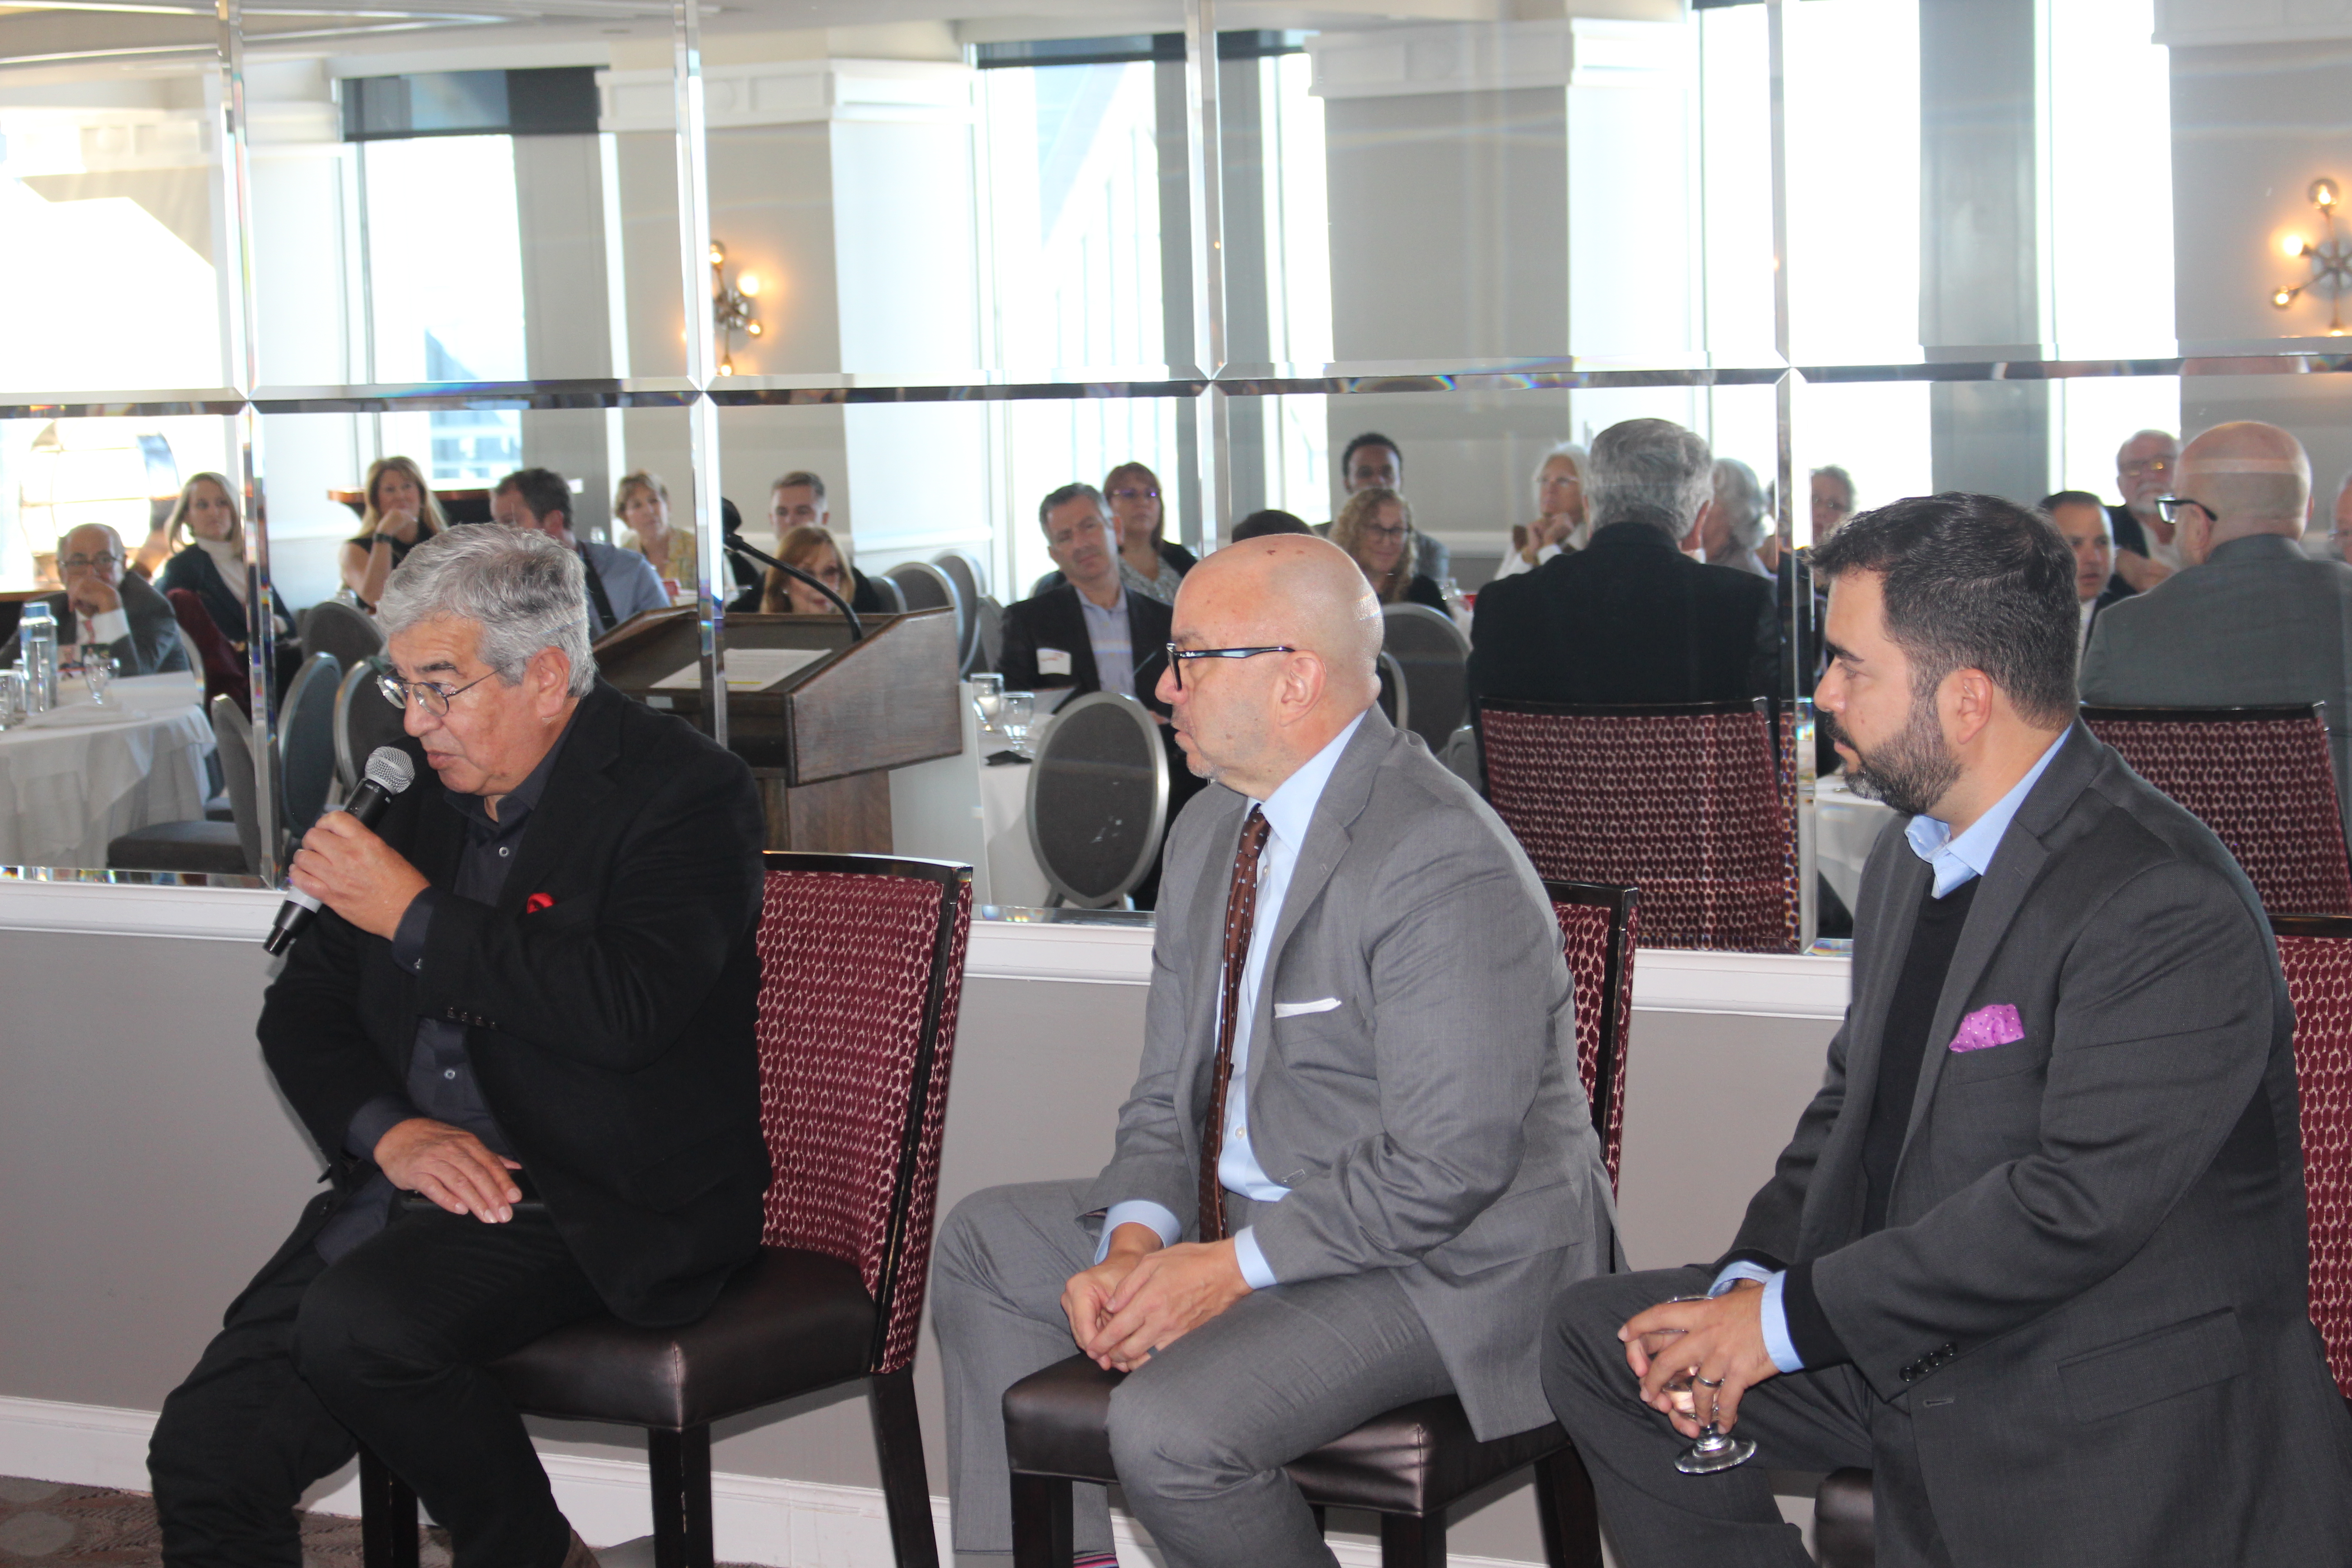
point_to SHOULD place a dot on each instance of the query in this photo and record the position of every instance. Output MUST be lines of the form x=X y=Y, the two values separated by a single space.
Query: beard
x=1911 y=772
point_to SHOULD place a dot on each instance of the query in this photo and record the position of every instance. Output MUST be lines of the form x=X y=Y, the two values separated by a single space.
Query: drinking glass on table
x=1015 y=710
x=98 y=672
x=1715 y=1449
x=987 y=693
x=12 y=699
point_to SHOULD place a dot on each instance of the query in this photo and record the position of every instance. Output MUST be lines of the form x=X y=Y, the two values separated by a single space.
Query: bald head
x=2250 y=477
x=1250 y=723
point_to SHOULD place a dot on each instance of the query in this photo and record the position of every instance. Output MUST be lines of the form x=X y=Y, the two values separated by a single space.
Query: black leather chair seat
x=192 y=846
x=602 y=1369
x=1418 y=1458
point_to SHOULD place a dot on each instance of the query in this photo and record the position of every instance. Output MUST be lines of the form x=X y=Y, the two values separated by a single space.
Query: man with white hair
x=2146 y=549
x=1730 y=527
x=1629 y=618
x=521 y=1035
x=101 y=610
x=1357 y=1146
x=2248 y=621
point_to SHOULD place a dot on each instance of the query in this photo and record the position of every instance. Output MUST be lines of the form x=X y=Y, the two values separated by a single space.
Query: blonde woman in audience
x=1375 y=528
x=212 y=564
x=641 y=503
x=401 y=514
x=1559 y=522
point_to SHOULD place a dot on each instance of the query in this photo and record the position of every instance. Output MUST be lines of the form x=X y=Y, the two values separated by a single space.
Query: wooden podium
x=823 y=740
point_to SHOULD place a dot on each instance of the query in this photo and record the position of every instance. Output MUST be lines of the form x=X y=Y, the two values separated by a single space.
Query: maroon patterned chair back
x=1689 y=804
x=2316 y=953
x=861 y=967
x=224 y=670
x=1596 y=928
x=2261 y=778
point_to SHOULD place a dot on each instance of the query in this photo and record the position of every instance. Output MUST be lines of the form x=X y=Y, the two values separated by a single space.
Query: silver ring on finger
x=1709 y=1382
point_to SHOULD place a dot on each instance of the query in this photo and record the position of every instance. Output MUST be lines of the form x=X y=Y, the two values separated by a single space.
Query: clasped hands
x=1144 y=1296
x=1721 y=1343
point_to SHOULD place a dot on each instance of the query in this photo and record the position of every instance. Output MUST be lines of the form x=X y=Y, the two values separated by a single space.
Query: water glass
x=987 y=693
x=98 y=672
x=1013 y=711
x=12 y=699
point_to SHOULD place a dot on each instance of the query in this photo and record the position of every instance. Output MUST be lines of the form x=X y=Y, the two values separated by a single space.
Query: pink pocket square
x=1987 y=1026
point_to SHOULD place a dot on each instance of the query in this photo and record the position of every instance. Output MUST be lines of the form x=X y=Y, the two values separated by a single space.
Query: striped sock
x=1098 y=1560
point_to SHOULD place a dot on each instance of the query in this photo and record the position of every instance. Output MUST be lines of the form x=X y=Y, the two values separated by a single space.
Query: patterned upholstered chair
x=861 y=961
x=1415 y=1463
x=2261 y=778
x=2316 y=951
x=1690 y=803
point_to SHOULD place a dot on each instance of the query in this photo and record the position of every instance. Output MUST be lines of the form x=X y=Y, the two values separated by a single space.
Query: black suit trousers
x=385 y=1346
x=1807 y=1421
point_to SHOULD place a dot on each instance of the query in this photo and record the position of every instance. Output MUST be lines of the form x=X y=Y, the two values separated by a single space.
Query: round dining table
x=81 y=775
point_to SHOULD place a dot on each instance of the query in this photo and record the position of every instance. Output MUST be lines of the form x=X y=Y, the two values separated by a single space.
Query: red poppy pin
x=538 y=902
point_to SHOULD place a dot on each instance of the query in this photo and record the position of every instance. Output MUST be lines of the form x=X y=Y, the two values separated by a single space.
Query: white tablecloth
x=1846 y=828
x=66 y=793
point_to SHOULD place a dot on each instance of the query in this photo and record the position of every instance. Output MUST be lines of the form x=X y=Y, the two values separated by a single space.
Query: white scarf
x=230 y=559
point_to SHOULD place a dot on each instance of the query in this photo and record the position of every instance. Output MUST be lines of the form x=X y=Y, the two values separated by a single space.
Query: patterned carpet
x=42 y=1522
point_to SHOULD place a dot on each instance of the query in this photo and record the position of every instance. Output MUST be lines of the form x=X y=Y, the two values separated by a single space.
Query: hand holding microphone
x=343 y=863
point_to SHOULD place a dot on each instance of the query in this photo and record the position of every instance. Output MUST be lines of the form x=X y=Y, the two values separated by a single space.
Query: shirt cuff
x=415 y=923
x=370 y=1122
x=1255 y=1272
x=1808 y=1326
x=1156 y=1218
x=110 y=627
x=1773 y=1310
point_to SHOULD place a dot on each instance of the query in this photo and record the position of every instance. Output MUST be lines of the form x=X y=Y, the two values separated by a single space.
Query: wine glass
x=987 y=695
x=1715 y=1449
x=98 y=671
x=1015 y=710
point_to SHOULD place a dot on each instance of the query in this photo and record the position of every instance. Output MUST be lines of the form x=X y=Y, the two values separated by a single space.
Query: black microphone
x=389 y=770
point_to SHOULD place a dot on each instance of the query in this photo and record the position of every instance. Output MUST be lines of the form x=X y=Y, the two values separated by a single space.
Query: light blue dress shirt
x=1289 y=812
x=1955 y=861
x=1114 y=646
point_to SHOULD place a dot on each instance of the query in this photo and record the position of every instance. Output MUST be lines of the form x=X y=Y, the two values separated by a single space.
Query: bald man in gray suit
x=2249 y=621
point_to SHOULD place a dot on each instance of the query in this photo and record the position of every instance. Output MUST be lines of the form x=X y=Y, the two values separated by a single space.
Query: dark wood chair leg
x=680 y=1462
x=1041 y=1523
x=1567 y=1510
x=905 y=1484
x=1412 y=1541
x=388 y=1535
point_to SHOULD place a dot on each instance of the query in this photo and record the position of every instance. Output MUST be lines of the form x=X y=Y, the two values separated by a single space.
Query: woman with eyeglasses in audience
x=401 y=514
x=212 y=564
x=1148 y=563
x=1375 y=528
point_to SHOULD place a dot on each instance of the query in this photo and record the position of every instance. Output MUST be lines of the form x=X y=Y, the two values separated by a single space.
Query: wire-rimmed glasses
x=1178 y=656
x=434 y=700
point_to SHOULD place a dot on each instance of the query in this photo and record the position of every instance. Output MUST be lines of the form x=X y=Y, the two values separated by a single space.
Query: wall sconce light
x=2330 y=259
x=730 y=306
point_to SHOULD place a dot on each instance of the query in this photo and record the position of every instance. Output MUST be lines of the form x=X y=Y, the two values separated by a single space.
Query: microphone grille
x=390 y=769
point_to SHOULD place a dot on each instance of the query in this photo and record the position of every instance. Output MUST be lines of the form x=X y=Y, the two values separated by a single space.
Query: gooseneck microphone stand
x=735 y=545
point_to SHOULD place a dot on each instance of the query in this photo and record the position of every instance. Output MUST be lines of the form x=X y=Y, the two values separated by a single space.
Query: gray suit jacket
x=151 y=647
x=1433 y=1122
x=2090 y=1296
x=2258 y=623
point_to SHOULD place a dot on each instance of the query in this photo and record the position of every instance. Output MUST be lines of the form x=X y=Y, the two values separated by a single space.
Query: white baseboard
x=756 y=1519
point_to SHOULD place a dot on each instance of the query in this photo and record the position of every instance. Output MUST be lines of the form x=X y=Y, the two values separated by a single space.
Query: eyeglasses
x=2146 y=466
x=83 y=562
x=1375 y=532
x=2169 y=507
x=434 y=700
x=1177 y=656
x=1132 y=492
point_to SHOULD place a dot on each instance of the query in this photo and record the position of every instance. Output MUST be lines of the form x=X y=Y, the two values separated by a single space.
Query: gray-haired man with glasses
x=520 y=1034
x=103 y=611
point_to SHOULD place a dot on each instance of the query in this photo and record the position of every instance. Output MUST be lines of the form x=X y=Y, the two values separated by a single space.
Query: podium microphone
x=389 y=770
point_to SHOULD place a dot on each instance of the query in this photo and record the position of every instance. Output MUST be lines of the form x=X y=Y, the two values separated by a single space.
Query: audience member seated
x=1833 y=500
x=2147 y=549
x=1731 y=525
x=1304 y=1223
x=1148 y=562
x=519 y=1035
x=619 y=584
x=212 y=565
x=1375 y=528
x=815 y=552
x=1629 y=618
x=1259 y=524
x=641 y=503
x=2249 y=620
x=103 y=609
x=1559 y=512
x=400 y=513
x=1372 y=461
x=2082 y=520
x=2036 y=1255
x=2333 y=544
x=797 y=501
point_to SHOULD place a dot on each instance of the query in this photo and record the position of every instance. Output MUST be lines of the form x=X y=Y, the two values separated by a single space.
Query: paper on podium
x=747 y=669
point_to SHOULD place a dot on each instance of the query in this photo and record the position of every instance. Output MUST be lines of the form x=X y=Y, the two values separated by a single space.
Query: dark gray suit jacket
x=1431 y=1123
x=152 y=645
x=2260 y=623
x=2090 y=1297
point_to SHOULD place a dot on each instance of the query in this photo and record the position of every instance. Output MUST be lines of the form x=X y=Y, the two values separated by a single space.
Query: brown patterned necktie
x=1241 y=914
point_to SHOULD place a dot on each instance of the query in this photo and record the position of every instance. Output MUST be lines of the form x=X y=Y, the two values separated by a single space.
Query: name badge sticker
x=1053 y=662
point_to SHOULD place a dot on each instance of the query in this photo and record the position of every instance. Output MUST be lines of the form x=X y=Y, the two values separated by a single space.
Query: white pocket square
x=1293 y=1009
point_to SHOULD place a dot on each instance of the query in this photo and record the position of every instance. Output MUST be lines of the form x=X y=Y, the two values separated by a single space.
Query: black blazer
x=152 y=646
x=611 y=1031
x=1629 y=618
x=200 y=574
x=1053 y=620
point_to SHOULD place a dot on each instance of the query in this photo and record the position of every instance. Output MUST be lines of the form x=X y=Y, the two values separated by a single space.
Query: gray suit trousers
x=1659 y=1518
x=1200 y=1434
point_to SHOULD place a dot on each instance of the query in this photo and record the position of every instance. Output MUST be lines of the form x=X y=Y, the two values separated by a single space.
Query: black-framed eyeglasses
x=1177 y=656
x=2169 y=507
x=434 y=700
